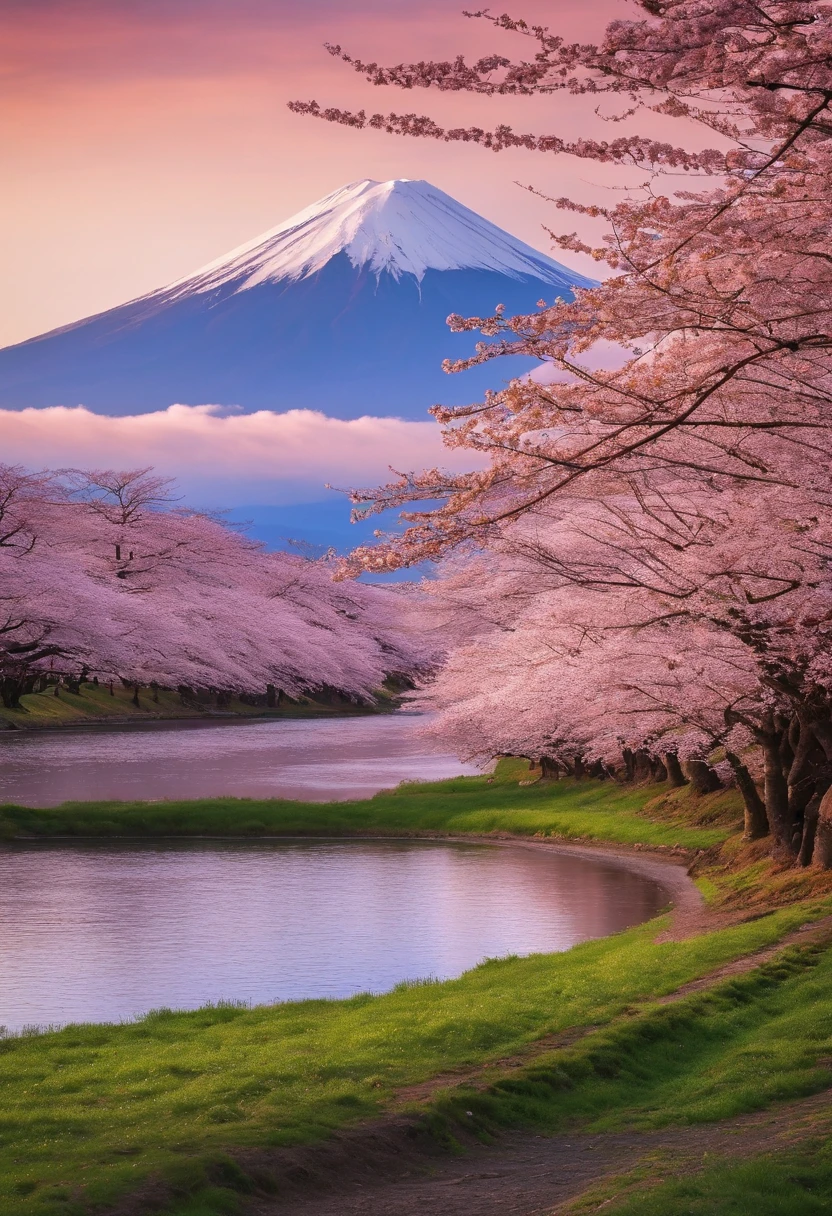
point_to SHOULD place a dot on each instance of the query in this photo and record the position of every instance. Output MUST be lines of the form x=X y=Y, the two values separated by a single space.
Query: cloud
x=220 y=460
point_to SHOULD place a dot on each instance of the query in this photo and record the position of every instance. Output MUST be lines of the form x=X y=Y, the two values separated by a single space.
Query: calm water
x=316 y=761
x=104 y=932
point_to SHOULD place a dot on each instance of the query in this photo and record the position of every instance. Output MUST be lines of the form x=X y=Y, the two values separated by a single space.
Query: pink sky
x=141 y=140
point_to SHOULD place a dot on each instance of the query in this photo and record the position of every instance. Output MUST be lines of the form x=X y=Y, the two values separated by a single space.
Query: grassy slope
x=798 y=1183
x=87 y=1111
x=714 y=1055
x=764 y=1038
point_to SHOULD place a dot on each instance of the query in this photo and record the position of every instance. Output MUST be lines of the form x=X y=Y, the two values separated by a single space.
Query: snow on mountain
x=341 y=308
x=401 y=227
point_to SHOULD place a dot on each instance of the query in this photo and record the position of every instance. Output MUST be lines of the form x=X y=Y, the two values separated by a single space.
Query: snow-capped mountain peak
x=342 y=308
x=403 y=227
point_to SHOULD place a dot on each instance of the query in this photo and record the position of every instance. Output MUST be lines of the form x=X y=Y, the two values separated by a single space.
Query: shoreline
x=218 y=718
x=687 y=903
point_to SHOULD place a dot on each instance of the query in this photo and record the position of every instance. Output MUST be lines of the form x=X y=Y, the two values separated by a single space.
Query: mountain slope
x=341 y=308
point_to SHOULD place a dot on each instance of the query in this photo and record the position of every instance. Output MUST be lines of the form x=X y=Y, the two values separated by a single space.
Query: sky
x=141 y=139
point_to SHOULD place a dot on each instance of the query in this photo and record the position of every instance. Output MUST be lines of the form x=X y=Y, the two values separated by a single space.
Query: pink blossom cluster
x=102 y=574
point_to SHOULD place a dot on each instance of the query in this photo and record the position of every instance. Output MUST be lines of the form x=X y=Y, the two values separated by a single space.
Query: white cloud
x=217 y=458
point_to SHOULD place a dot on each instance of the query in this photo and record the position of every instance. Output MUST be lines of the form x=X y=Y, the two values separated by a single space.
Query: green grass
x=594 y=810
x=789 y=1183
x=87 y=1111
x=751 y=1041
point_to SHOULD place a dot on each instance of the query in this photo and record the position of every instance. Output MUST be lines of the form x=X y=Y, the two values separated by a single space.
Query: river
x=314 y=760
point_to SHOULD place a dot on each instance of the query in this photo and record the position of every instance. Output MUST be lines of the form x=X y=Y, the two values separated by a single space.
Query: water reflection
x=103 y=932
x=316 y=761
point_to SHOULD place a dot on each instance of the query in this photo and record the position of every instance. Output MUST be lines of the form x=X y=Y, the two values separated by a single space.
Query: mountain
x=341 y=308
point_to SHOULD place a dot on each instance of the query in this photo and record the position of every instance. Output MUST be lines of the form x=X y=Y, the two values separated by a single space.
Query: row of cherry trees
x=641 y=575
x=102 y=575
x=652 y=630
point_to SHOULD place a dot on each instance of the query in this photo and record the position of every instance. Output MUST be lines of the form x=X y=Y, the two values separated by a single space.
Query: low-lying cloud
x=220 y=459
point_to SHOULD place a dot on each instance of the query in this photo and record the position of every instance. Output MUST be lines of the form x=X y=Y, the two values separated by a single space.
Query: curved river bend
x=106 y=931
x=101 y=932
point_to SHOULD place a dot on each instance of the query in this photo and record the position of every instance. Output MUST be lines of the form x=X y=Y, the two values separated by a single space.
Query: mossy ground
x=88 y=1112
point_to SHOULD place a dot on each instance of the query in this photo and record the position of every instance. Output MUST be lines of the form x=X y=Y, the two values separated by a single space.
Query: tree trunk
x=822 y=852
x=10 y=690
x=822 y=730
x=756 y=821
x=579 y=771
x=549 y=767
x=271 y=696
x=777 y=795
x=675 y=777
x=702 y=777
x=644 y=766
x=810 y=829
x=807 y=761
x=659 y=769
x=136 y=701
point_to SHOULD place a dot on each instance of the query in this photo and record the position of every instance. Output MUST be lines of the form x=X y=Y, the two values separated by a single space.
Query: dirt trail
x=524 y=1175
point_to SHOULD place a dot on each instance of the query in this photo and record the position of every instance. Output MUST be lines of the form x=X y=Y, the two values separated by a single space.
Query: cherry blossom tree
x=722 y=297
x=674 y=621
x=102 y=573
x=679 y=500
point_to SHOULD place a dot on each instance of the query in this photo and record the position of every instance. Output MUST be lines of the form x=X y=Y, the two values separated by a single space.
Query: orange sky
x=142 y=139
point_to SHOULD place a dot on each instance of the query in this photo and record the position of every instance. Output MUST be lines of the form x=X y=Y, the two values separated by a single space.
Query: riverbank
x=230 y=1108
x=510 y=801
x=101 y=705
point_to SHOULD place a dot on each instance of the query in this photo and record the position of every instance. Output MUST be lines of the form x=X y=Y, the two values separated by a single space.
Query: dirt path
x=525 y=1175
